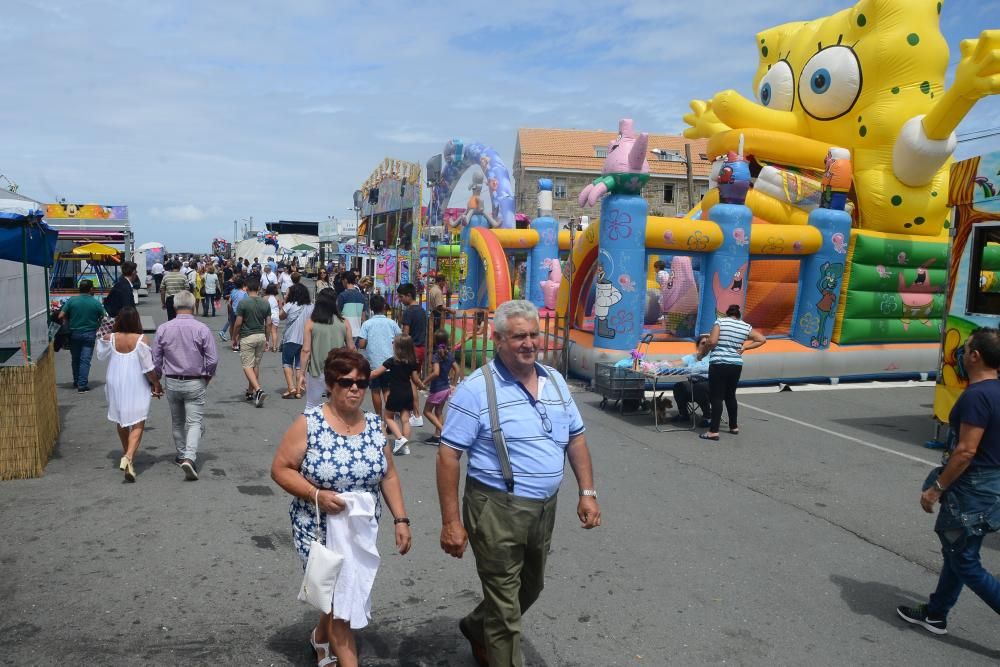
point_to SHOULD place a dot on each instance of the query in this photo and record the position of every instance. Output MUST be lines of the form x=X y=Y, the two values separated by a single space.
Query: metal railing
x=470 y=339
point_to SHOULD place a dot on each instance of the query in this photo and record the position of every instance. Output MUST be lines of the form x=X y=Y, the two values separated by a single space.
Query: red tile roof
x=575 y=149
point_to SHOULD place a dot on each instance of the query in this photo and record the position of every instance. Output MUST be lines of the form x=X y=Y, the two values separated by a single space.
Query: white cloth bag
x=322 y=571
x=353 y=533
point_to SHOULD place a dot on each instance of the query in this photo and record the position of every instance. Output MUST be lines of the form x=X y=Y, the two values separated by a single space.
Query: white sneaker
x=398 y=447
x=416 y=421
x=406 y=450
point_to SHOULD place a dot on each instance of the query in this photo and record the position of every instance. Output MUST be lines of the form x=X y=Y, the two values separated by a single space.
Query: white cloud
x=408 y=136
x=321 y=109
x=183 y=213
x=281 y=111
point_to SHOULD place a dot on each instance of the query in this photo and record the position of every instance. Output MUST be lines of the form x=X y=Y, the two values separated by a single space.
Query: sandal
x=125 y=465
x=289 y=394
x=706 y=436
x=327 y=659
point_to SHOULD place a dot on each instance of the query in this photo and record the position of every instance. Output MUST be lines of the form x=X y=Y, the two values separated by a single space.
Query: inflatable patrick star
x=625 y=167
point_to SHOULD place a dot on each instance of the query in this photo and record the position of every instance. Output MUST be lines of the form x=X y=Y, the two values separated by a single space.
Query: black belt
x=185 y=377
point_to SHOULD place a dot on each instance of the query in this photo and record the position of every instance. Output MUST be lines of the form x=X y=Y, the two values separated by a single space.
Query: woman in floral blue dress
x=336 y=448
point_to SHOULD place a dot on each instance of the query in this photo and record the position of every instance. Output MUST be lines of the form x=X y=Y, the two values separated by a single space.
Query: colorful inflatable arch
x=456 y=159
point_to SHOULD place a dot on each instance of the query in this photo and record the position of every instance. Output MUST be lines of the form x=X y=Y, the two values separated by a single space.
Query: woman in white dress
x=130 y=383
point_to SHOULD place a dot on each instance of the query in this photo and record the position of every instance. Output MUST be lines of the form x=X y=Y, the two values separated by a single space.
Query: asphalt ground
x=789 y=544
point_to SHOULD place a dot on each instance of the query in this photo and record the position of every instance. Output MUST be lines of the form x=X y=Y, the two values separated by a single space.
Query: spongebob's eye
x=777 y=89
x=830 y=83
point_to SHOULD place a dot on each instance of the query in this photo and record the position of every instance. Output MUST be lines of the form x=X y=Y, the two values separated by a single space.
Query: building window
x=668 y=193
x=601 y=151
x=559 y=188
x=666 y=156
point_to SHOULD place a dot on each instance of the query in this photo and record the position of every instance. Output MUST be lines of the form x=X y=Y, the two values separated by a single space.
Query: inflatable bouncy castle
x=828 y=215
x=827 y=220
x=866 y=84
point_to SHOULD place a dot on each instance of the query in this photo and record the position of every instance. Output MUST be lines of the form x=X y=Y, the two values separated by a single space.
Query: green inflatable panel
x=472 y=360
x=899 y=252
x=889 y=305
x=991 y=258
x=855 y=331
x=870 y=278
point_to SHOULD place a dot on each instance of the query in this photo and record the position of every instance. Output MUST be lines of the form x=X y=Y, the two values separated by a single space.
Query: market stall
x=29 y=422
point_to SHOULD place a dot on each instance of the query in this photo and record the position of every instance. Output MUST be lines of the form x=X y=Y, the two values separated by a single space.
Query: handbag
x=107 y=326
x=322 y=570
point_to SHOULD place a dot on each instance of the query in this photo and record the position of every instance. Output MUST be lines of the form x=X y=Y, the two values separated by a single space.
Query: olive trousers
x=510 y=537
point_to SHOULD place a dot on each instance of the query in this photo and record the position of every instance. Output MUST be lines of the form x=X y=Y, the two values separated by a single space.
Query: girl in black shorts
x=401 y=370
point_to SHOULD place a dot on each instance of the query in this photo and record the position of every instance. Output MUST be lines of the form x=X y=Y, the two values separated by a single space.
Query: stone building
x=574 y=158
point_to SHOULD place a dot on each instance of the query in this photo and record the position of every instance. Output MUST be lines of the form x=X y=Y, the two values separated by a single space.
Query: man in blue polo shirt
x=542 y=427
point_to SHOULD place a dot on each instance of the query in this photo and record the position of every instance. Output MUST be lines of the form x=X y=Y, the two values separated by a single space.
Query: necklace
x=348 y=427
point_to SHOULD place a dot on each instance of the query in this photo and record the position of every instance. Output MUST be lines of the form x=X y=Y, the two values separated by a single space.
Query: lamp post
x=357 y=227
x=667 y=156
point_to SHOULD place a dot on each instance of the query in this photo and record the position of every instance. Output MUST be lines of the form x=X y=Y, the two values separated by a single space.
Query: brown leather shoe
x=478 y=650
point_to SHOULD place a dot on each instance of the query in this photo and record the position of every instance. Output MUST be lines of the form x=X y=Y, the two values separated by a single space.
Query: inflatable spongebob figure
x=869 y=79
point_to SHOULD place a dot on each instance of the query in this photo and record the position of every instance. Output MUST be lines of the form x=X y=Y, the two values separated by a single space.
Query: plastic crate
x=620 y=384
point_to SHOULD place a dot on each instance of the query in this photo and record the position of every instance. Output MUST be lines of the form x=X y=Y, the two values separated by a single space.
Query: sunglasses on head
x=347 y=383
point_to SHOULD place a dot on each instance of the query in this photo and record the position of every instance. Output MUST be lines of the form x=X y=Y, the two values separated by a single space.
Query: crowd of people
x=267 y=309
x=336 y=460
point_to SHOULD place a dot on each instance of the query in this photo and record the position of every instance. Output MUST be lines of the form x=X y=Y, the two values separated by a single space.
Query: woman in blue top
x=696 y=387
x=725 y=365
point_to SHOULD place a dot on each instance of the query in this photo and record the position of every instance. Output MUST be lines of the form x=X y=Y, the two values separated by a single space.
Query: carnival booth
x=29 y=422
x=972 y=299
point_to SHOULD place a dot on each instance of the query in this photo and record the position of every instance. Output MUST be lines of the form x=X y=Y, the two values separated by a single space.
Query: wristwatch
x=402 y=519
x=938 y=487
x=589 y=493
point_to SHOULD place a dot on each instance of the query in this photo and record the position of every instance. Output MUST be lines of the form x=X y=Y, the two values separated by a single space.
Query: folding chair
x=692 y=407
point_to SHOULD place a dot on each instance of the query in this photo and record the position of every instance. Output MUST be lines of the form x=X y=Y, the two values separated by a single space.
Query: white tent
x=250 y=248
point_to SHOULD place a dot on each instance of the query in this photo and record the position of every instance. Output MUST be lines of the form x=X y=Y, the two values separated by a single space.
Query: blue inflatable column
x=473 y=293
x=620 y=303
x=724 y=272
x=820 y=280
x=547 y=247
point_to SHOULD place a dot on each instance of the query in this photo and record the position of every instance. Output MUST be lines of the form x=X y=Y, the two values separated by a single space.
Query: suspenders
x=498 y=438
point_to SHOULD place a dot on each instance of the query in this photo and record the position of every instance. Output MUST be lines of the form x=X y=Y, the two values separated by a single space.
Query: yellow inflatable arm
x=977 y=75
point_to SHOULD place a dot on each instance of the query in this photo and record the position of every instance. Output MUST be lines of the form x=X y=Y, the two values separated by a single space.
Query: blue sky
x=195 y=114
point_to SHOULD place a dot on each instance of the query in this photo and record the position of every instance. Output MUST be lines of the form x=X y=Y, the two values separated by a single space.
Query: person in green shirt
x=250 y=335
x=84 y=314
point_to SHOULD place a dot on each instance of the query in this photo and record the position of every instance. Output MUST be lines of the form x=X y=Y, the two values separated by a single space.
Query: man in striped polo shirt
x=174 y=282
x=542 y=427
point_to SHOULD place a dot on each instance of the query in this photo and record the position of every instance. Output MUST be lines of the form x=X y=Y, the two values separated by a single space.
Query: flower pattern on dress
x=337 y=462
